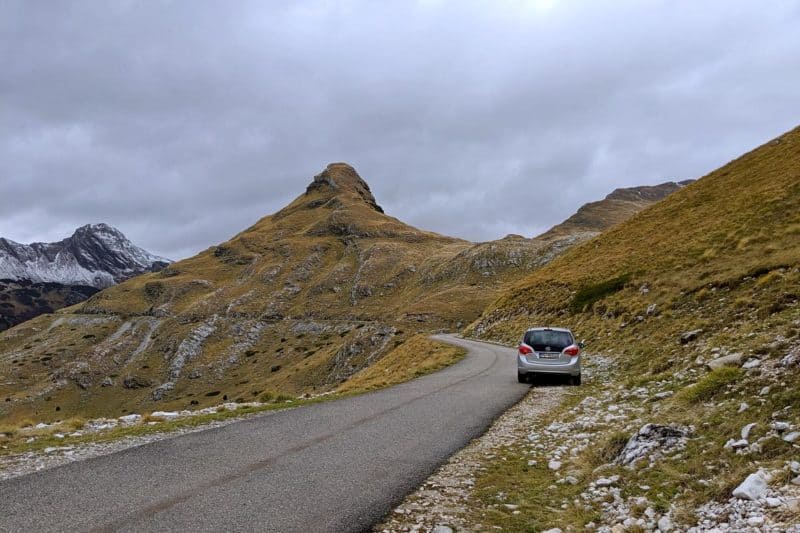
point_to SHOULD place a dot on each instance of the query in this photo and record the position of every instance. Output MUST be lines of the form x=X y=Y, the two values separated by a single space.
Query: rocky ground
x=442 y=501
x=563 y=450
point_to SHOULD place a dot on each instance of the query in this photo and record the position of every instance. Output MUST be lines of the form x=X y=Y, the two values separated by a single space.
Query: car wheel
x=522 y=378
x=575 y=380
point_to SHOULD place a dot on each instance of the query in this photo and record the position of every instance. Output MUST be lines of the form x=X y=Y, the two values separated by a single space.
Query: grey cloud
x=182 y=123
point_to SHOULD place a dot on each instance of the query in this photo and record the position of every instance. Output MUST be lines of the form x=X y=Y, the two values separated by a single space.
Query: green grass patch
x=590 y=294
x=710 y=385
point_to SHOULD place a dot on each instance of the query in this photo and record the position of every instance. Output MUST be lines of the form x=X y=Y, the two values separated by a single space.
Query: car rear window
x=548 y=340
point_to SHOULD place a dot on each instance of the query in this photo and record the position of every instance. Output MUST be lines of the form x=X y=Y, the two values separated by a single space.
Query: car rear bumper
x=573 y=368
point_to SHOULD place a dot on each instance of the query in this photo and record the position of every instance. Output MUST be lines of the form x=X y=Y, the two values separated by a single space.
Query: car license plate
x=549 y=355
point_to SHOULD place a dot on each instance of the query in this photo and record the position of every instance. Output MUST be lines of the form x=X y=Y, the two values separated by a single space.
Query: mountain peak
x=95 y=255
x=342 y=179
x=100 y=230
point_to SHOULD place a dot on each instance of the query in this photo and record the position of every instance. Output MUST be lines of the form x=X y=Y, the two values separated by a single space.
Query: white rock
x=554 y=465
x=764 y=391
x=554 y=530
x=755 y=521
x=794 y=466
x=781 y=426
x=571 y=480
x=734 y=359
x=747 y=429
x=752 y=488
x=511 y=506
x=796 y=481
x=130 y=419
x=743 y=407
x=751 y=363
x=791 y=437
x=531 y=462
x=773 y=502
x=166 y=415
x=737 y=444
x=442 y=529
x=604 y=482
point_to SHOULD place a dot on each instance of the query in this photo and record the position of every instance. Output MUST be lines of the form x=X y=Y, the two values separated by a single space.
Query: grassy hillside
x=298 y=303
x=712 y=271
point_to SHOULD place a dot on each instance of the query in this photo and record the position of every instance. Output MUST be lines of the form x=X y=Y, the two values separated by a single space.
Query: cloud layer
x=183 y=123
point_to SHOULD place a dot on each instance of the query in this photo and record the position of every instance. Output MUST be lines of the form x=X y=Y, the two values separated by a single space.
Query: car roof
x=548 y=328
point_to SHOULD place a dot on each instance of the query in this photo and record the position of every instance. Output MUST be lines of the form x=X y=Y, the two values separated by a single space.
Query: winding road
x=333 y=466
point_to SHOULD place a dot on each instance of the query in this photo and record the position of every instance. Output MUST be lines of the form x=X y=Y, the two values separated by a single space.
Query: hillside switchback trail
x=332 y=466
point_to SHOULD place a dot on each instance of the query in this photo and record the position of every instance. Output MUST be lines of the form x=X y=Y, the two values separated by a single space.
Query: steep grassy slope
x=713 y=270
x=297 y=303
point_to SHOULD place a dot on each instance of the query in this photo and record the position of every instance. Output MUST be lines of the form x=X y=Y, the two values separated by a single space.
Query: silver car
x=549 y=351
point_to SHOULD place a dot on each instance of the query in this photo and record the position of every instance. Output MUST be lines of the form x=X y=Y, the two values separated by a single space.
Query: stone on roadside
x=442 y=529
x=554 y=465
x=165 y=415
x=752 y=488
x=773 y=502
x=130 y=419
x=664 y=524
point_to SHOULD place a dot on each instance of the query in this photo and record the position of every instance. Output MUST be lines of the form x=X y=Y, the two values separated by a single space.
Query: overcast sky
x=182 y=123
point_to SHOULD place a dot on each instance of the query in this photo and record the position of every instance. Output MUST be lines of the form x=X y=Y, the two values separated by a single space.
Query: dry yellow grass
x=721 y=256
x=418 y=356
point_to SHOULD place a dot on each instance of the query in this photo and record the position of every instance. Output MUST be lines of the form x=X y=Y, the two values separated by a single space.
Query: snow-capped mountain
x=96 y=255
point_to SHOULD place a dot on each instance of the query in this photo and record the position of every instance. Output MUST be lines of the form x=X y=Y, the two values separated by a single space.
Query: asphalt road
x=333 y=466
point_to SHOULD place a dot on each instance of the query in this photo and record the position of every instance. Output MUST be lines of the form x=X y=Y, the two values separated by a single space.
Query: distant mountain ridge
x=96 y=255
x=616 y=207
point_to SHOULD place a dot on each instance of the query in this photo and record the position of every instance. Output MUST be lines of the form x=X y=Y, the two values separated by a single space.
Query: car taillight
x=572 y=351
x=524 y=350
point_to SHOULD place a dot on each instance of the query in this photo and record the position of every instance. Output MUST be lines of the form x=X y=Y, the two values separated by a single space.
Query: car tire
x=522 y=378
x=575 y=380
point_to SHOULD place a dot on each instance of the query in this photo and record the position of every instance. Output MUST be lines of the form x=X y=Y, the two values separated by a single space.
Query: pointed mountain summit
x=342 y=179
